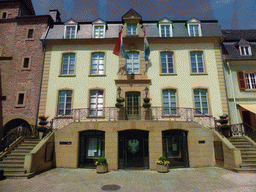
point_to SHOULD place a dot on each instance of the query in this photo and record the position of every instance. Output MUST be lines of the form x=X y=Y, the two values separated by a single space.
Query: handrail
x=135 y=113
x=12 y=136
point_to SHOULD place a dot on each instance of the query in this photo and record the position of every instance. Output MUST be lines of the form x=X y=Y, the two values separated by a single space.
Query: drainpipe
x=42 y=71
x=233 y=90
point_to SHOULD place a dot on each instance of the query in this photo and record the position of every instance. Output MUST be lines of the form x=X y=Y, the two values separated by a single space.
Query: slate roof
x=230 y=45
x=28 y=4
x=209 y=29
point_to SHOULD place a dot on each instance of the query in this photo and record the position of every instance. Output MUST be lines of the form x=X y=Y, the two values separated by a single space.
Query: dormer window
x=70 y=29
x=131 y=29
x=99 y=28
x=165 y=28
x=70 y=32
x=194 y=28
x=246 y=50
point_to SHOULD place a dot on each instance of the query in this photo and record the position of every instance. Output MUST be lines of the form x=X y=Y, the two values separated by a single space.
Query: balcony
x=134 y=113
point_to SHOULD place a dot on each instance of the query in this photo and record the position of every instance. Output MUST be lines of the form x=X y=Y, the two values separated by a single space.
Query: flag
x=119 y=47
x=146 y=47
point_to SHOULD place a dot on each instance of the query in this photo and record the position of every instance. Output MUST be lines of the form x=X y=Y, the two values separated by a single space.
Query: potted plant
x=42 y=129
x=119 y=103
x=223 y=127
x=102 y=165
x=162 y=165
x=146 y=103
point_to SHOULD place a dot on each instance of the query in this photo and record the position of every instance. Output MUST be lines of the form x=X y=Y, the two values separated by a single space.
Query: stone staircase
x=248 y=153
x=13 y=163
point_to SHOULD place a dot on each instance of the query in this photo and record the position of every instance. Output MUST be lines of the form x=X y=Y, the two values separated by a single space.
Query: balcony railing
x=134 y=113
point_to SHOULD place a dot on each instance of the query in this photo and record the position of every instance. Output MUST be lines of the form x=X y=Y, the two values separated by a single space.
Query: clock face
x=133 y=145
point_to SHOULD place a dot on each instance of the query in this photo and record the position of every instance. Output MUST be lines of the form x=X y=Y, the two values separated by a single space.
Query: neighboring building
x=21 y=61
x=184 y=77
x=239 y=54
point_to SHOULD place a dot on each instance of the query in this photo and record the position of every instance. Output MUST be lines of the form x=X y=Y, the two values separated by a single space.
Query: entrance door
x=132 y=105
x=133 y=149
x=247 y=117
x=175 y=147
x=91 y=147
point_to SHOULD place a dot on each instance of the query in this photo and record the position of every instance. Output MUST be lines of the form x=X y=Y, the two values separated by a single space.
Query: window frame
x=196 y=62
x=18 y=97
x=23 y=62
x=201 y=113
x=104 y=30
x=250 y=79
x=65 y=32
x=6 y=15
x=33 y=34
x=192 y=22
x=242 y=50
x=65 y=103
x=68 y=65
x=167 y=66
x=170 y=102
x=136 y=30
x=96 y=109
x=104 y=60
x=132 y=52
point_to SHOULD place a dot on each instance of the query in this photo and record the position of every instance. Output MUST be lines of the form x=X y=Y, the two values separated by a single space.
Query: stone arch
x=14 y=123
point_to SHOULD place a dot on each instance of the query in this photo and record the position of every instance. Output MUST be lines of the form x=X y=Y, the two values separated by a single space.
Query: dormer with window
x=132 y=26
x=70 y=29
x=194 y=28
x=99 y=28
x=165 y=28
x=244 y=48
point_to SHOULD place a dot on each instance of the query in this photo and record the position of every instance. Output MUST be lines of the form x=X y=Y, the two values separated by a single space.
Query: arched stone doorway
x=14 y=123
x=91 y=147
x=133 y=150
x=175 y=147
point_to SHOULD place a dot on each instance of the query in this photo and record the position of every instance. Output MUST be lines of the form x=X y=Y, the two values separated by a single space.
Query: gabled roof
x=98 y=21
x=71 y=22
x=132 y=14
x=243 y=42
x=165 y=20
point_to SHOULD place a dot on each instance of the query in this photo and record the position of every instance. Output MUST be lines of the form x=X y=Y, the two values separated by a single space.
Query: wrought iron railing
x=244 y=129
x=12 y=136
x=135 y=113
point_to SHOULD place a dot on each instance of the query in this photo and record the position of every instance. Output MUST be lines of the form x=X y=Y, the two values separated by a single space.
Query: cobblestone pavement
x=182 y=179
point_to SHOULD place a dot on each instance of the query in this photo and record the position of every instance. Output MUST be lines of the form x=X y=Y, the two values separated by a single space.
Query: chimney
x=55 y=14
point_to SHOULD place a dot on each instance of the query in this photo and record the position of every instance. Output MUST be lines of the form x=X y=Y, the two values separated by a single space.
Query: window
x=131 y=29
x=169 y=102
x=68 y=64
x=201 y=101
x=97 y=64
x=64 y=104
x=197 y=65
x=246 y=50
x=167 y=62
x=70 y=32
x=193 y=30
x=250 y=80
x=20 y=99
x=165 y=31
x=99 y=31
x=26 y=63
x=30 y=33
x=96 y=103
x=133 y=63
x=4 y=15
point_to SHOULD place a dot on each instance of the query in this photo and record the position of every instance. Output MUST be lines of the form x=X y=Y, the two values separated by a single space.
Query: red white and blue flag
x=146 y=47
x=119 y=47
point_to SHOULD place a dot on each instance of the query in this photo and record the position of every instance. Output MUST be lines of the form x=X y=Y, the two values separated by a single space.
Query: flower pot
x=43 y=123
x=146 y=105
x=102 y=168
x=118 y=105
x=162 y=168
x=120 y=100
x=146 y=100
x=43 y=118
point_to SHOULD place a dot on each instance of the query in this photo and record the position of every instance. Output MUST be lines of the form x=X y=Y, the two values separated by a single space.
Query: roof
x=28 y=4
x=234 y=39
x=209 y=29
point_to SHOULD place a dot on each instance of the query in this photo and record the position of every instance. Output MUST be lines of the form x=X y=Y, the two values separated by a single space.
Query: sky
x=231 y=14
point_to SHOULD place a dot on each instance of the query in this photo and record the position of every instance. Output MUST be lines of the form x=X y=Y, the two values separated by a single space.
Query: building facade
x=183 y=78
x=240 y=66
x=21 y=61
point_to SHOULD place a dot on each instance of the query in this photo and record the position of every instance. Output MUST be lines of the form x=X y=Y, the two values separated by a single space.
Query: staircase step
x=253 y=170
x=13 y=170
x=10 y=161
x=248 y=165
x=19 y=175
x=16 y=154
x=247 y=149
x=2 y=165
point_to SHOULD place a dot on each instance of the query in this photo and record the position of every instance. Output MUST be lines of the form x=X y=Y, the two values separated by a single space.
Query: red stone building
x=21 y=62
